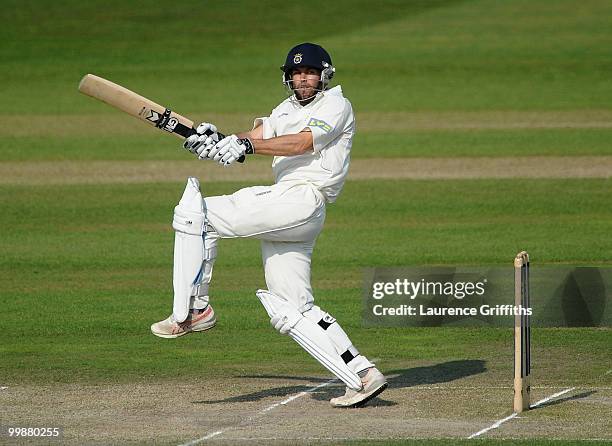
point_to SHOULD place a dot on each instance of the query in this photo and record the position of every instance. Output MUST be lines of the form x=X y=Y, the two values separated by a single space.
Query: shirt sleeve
x=269 y=125
x=329 y=122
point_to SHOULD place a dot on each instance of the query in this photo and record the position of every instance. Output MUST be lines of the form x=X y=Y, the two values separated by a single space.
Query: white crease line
x=261 y=412
x=515 y=414
x=206 y=437
x=545 y=400
x=296 y=396
x=3 y=388
x=493 y=426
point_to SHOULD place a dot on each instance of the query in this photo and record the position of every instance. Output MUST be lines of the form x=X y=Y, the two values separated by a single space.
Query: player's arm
x=286 y=145
x=256 y=133
x=234 y=147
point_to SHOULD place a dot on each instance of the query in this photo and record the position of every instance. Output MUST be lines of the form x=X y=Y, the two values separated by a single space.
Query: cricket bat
x=138 y=106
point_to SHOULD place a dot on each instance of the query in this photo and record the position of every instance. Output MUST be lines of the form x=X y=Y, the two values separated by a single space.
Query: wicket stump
x=522 y=334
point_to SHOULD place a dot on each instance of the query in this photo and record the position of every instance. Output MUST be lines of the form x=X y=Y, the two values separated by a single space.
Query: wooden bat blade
x=139 y=107
x=136 y=105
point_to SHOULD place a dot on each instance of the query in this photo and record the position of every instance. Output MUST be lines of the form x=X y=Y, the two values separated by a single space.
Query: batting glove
x=230 y=149
x=202 y=143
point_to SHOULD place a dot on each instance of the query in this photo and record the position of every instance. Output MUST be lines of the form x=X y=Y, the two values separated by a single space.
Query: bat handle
x=221 y=136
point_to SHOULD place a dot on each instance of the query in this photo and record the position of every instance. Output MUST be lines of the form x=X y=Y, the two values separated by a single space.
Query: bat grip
x=209 y=132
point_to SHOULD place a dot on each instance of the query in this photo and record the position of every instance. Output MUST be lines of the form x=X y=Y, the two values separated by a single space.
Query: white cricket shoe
x=196 y=321
x=373 y=384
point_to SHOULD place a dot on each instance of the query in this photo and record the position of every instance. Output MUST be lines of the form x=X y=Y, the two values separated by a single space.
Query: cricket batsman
x=310 y=136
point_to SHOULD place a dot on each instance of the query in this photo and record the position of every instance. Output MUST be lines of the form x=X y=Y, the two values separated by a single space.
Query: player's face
x=305 y=82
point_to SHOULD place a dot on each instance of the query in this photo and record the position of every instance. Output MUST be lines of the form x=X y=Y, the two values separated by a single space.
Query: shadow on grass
x=397 y=379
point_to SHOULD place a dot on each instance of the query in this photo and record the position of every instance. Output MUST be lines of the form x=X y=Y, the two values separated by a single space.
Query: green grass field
x=86 y=268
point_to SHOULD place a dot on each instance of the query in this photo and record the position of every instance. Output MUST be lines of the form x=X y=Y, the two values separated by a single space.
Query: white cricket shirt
x=332 y=123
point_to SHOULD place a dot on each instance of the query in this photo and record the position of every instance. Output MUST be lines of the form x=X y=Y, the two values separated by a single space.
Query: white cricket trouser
x=287 y=217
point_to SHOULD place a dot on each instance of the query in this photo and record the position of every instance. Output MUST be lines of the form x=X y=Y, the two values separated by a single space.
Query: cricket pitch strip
x=269 y=409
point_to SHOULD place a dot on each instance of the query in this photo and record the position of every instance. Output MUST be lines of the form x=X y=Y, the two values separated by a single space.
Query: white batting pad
x=345 y=348
x=189 y=224
x=310 y=336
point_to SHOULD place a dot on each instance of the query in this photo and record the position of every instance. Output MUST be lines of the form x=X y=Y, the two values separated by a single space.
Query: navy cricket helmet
x=309 y=55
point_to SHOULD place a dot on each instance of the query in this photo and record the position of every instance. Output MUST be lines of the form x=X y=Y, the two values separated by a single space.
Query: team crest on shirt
x=297 y=58
x=314 y=122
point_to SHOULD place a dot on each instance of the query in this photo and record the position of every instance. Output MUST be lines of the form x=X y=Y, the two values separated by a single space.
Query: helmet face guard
x=308 y=55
